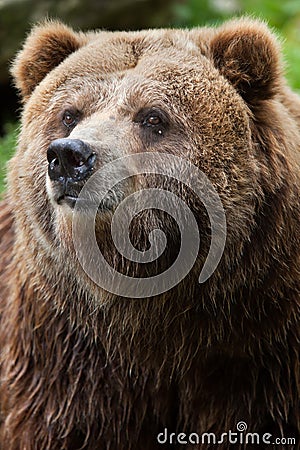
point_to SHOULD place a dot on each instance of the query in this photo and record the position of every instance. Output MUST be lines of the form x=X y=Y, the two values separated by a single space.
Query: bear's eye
x=152 y=120
x=70 y=119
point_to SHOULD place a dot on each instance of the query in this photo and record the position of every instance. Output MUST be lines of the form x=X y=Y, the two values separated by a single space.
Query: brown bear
x=193 y=365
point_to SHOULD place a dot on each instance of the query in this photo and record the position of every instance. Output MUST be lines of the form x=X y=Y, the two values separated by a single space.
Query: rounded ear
x=46 y=47
x=248 y=55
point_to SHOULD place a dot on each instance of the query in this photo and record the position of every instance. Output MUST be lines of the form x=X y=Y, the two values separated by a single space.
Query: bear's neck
x=236 y=302
x=234 y=305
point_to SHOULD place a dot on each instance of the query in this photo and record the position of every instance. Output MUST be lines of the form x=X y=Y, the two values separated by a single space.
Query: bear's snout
x=70 y=160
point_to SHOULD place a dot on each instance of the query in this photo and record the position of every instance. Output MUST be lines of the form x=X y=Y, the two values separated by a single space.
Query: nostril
x=52 y=158
x=54 y=165
x=91 y=160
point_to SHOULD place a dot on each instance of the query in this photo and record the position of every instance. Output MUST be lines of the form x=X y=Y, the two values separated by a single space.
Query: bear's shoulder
x=7 y=236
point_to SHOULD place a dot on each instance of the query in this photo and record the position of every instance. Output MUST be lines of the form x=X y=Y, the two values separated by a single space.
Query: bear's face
x=91 y=99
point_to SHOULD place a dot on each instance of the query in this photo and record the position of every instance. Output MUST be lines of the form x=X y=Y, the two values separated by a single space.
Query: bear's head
x=212 y=97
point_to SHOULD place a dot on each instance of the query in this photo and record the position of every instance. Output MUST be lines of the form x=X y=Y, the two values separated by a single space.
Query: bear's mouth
x=106 y=204
x=70 y=194
x=65 y=192
x=83 y=204
x=69 y=200
x=72 y=200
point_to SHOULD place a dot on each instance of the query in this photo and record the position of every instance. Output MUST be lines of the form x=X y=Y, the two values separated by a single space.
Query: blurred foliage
x=7 y=146
x=282 y=16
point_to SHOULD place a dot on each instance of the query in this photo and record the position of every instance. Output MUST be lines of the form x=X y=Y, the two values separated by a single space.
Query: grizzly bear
x=87 y=363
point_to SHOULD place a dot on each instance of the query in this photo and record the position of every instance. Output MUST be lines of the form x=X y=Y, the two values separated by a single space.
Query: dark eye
x=70 y=119
x=152 y=120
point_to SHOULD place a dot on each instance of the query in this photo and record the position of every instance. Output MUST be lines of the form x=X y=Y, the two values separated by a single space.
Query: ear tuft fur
x=248 y=55
x=46 y=47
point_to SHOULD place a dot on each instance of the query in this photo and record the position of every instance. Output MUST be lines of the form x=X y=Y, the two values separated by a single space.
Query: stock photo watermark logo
x=239 y=436
x=102 y=187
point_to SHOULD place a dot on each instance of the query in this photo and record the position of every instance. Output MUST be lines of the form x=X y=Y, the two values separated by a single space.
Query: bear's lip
x=85 y=204
x=69 y=200
x=66 y=195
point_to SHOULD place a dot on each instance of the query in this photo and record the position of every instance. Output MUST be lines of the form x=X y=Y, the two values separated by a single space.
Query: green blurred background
x=18 y=16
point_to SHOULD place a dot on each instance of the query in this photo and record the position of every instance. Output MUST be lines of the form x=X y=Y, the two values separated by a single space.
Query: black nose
x=70 y=159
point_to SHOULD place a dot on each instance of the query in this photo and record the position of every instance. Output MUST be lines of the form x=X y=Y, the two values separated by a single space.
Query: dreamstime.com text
x=240 y=436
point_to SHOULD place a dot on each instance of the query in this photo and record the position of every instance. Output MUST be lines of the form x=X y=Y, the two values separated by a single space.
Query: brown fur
x=84 y=368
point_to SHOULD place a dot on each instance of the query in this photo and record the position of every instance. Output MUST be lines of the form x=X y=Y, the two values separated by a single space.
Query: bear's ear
x=248 y=55
x=47 y=45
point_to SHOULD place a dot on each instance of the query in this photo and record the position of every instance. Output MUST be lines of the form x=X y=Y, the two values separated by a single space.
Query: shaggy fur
x=82 y=368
